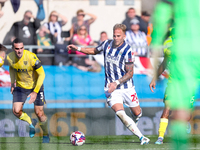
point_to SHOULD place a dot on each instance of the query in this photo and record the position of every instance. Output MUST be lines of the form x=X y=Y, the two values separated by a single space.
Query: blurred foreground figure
x=184 y=64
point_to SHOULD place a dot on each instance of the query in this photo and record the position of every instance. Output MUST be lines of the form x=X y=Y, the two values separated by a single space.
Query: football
x=77 y=138
x=1 y=61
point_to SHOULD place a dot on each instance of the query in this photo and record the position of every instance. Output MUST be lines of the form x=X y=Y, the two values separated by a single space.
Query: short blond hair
x=120 y=26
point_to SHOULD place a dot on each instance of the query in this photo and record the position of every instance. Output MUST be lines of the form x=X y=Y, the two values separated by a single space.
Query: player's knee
x=165 y=113
x=124 y=118
x=140 y=114
x=17 y=111
x=39 y=114
x=121 y=114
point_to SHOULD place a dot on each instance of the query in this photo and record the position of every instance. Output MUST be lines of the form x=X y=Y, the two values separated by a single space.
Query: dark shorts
x=20 y=95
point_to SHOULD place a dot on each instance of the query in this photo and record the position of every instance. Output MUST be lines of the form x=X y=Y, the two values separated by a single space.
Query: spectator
x=1 y=5
x=146 y=17
x=45 y=38
x=135 y=37
x=81 y=61
x=99 y=57
x=80 y=21
x=131 y=15
x=25 y=30
x=55 y=26
x=103 y=37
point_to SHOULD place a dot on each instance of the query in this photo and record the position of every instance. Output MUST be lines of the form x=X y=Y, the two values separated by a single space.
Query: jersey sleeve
x=12 y=75
x=11 y=70
x=129 y=57
x=41 y=76
x=101 y=46
x=40 y=71
x=35 y=62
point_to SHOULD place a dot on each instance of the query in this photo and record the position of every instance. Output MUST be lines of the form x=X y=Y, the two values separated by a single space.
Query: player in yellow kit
x=28 y=75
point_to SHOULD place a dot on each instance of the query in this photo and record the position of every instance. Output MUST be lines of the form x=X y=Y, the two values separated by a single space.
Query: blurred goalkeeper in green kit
x=185 y=60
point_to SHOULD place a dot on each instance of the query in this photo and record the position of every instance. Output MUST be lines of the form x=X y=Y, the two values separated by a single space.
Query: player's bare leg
x=129 y=123
x=18 y=112
x=136 y=113
x=43 y=122
x=163 y=124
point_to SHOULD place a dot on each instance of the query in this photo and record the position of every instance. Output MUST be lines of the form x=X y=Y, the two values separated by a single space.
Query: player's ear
x=124 y=36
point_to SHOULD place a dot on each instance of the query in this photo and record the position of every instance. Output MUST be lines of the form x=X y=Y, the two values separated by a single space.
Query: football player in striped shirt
x=28 y=75
x=119 y=87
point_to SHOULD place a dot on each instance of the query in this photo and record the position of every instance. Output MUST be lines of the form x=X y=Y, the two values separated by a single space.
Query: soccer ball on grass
x=77 y=138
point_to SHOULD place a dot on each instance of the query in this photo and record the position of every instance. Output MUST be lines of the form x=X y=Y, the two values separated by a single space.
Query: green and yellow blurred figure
x=3 y=50
x=165 y=65
x=184 y=64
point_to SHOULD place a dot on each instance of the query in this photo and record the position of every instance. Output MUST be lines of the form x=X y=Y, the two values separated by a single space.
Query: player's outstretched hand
x=152 y=85
x=33 y=96
x=72 y=47
x=112 y=86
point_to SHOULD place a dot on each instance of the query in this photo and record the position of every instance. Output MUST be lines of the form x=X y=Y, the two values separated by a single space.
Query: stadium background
x=75 y=99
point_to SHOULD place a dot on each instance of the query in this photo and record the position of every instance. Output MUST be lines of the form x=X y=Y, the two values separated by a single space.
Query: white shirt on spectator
x=137 y=39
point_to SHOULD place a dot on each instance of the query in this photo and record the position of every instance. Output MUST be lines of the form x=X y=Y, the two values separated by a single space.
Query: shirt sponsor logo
x=21 y=70
x=112 y=59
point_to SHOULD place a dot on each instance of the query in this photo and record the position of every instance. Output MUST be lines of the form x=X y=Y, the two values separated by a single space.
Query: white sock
x=129 y=123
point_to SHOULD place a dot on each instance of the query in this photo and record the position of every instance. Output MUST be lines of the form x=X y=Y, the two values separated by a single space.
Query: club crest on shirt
x=25 y=62
x=108 y=47
x=130 y=60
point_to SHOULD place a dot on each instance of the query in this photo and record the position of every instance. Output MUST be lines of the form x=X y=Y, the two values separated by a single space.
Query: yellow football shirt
x=27 y=71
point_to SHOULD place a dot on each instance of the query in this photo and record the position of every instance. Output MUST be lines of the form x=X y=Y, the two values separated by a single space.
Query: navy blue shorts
x=20 y=95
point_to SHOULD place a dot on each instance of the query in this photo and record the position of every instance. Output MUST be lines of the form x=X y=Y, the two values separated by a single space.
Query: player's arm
x=41 y=75
x=129 y=74
x=12 y=78
x=160 y=70
x=85 y=50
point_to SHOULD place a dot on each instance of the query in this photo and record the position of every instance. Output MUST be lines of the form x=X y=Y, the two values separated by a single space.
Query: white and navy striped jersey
x=115 y=60
x=138 y=39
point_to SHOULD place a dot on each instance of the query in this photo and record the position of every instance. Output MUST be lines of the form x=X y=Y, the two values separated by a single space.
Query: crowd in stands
x=32 y=32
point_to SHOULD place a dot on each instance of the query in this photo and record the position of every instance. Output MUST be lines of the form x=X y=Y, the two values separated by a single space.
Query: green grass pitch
x=92 y=143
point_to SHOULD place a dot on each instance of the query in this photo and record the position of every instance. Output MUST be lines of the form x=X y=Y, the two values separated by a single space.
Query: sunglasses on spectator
x=83 y=29
x=28 y=17
x=54 y=15
x=19 y=48
x=81 y=15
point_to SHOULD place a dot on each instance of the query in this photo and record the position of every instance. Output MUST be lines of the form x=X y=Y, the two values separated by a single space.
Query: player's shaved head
x=17 y=40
